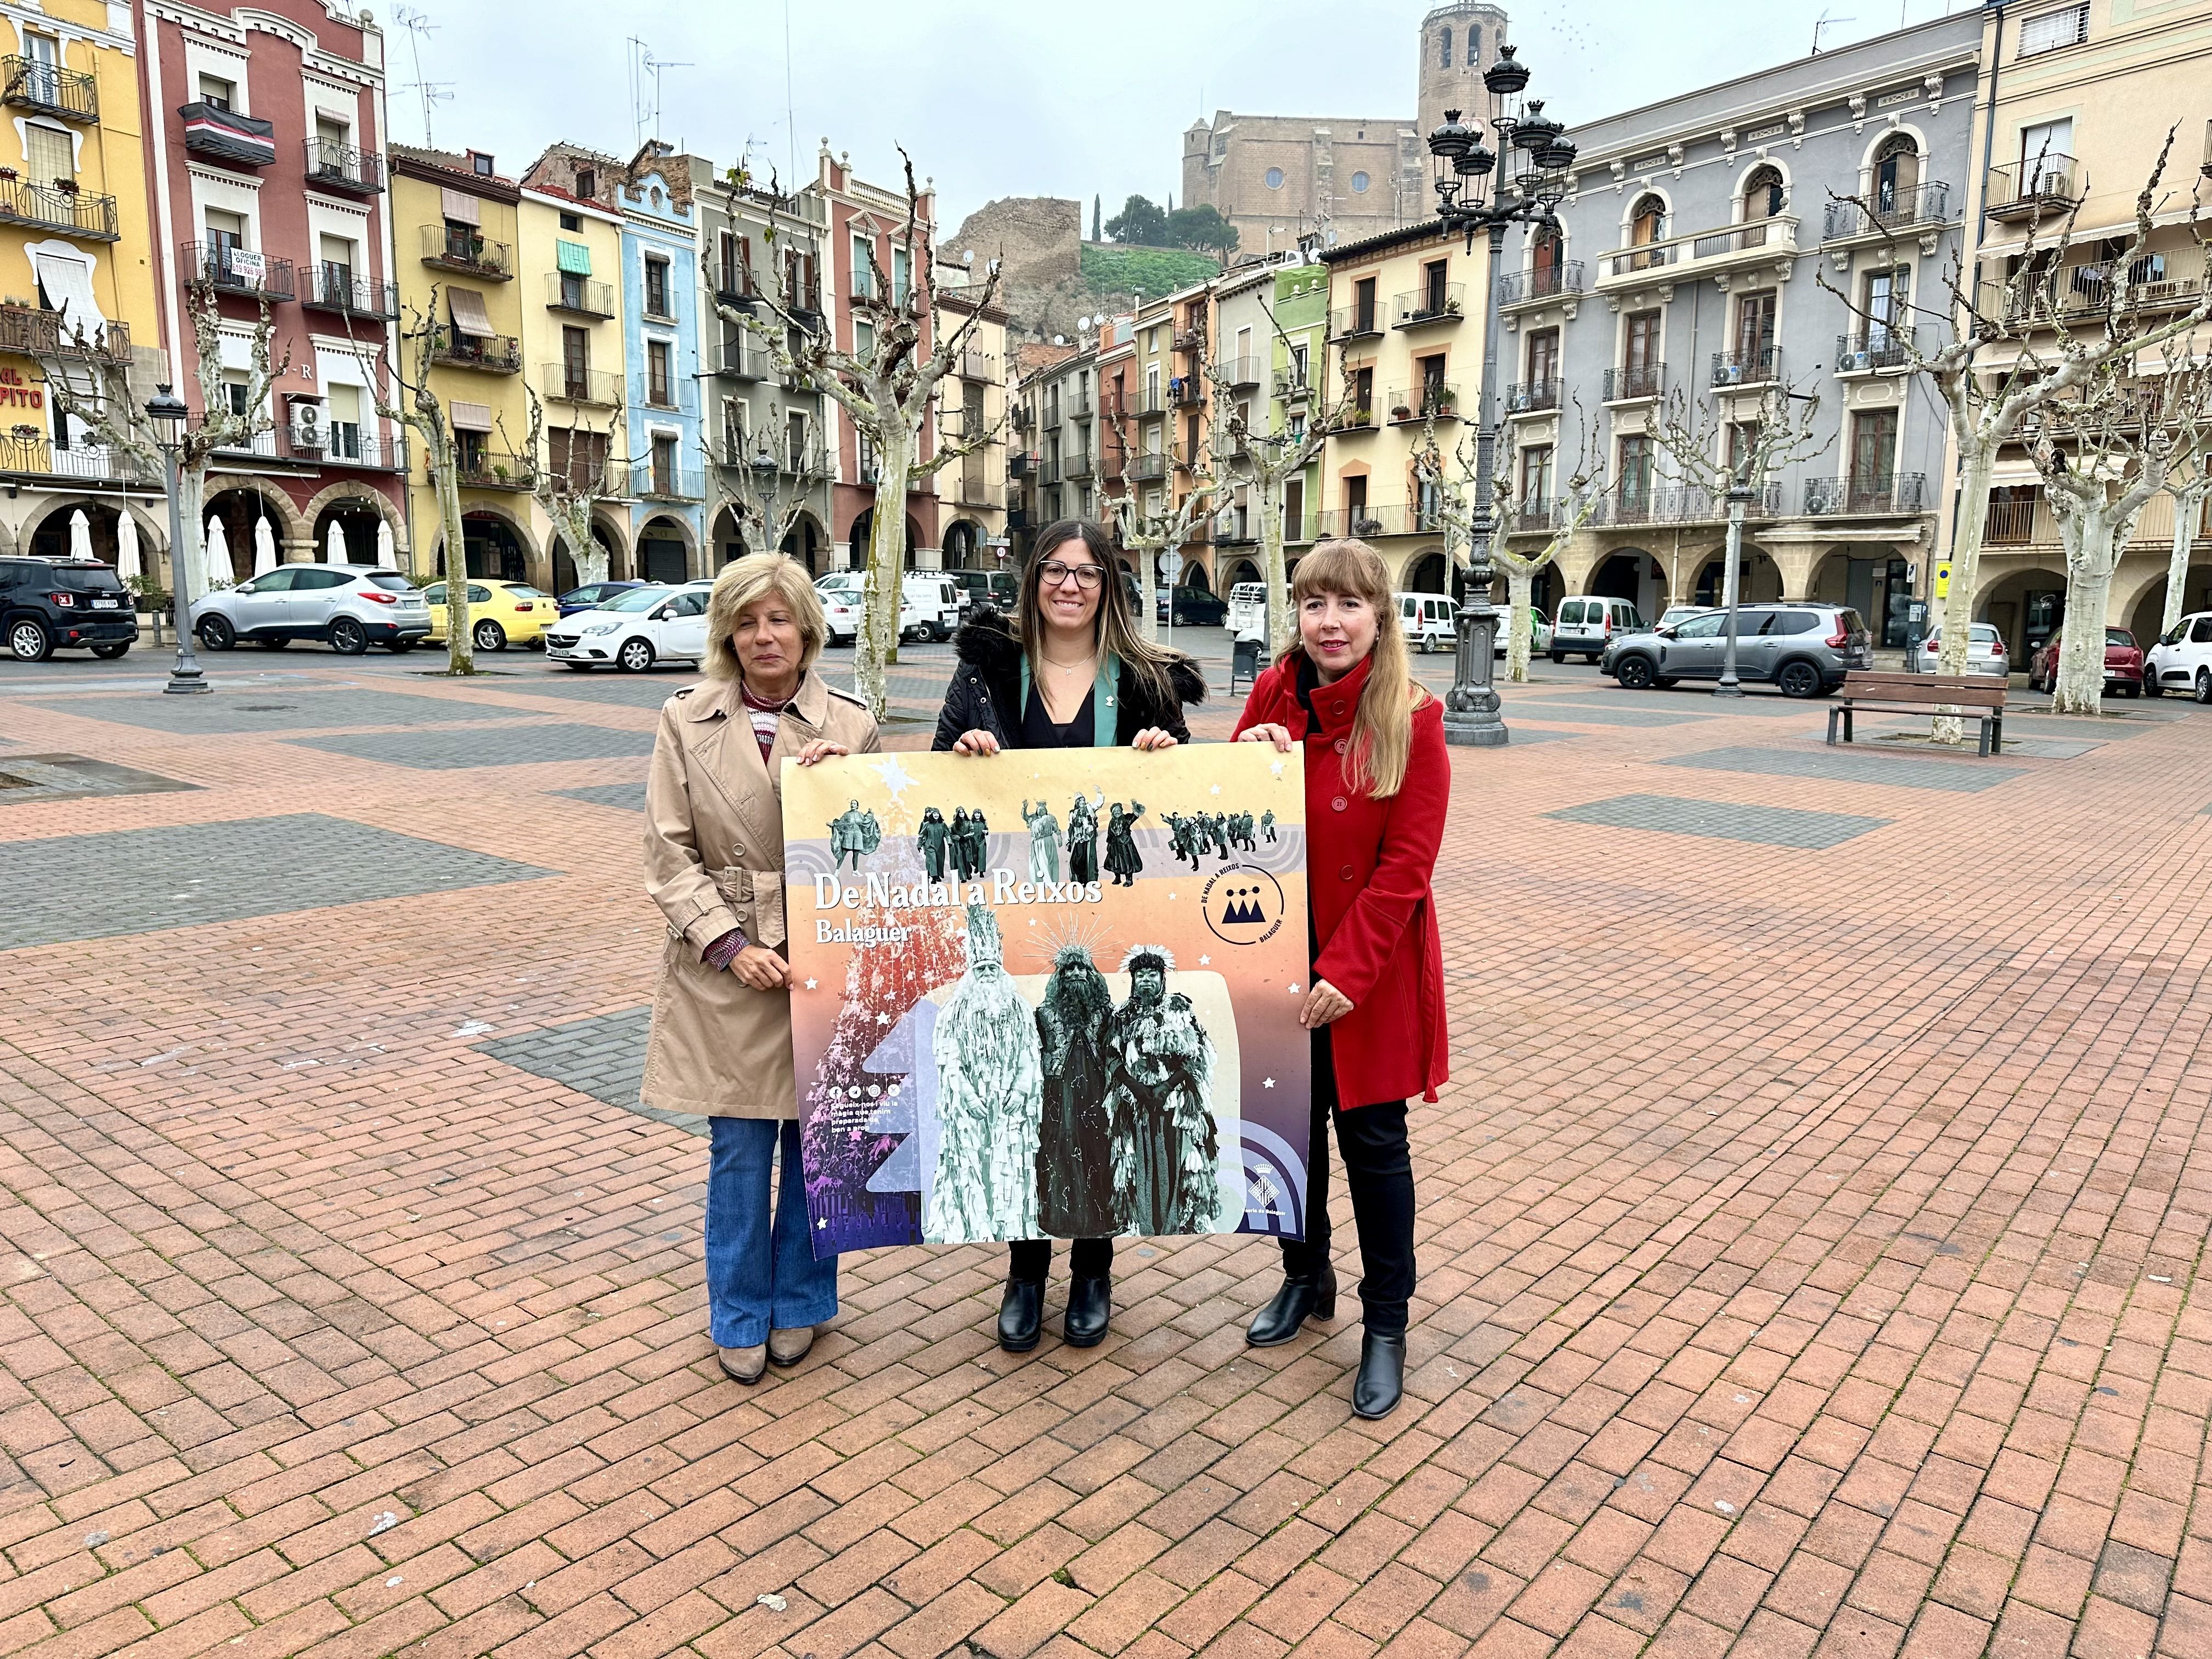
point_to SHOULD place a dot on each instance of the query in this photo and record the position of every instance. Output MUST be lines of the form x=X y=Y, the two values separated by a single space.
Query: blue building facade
x=660 y=351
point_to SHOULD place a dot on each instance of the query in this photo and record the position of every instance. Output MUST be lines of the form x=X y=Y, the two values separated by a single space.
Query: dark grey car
x=1803 y=648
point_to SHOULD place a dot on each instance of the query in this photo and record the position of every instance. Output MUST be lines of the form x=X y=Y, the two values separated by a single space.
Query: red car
x=2123 y=664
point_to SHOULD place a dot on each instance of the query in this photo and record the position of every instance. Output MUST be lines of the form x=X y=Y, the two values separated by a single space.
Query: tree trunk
x=1520 y=590
x=2079 y=688
x=2186 y=506
x=1965 y=570
x=883 y=589
x=460 y=649
x=1148 y=614
x=585 y=552
x=1281 y=633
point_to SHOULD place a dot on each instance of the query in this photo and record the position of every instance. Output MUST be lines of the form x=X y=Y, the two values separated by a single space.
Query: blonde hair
x=1382 y=730
x=759 y=576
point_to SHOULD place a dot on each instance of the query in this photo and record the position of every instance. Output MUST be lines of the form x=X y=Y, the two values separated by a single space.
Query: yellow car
x=500 y=614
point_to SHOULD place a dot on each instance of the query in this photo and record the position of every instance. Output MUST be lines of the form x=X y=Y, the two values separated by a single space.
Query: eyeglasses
x=1054 y=573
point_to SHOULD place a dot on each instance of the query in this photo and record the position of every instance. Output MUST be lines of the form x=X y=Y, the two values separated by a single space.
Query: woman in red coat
x=1378 y=782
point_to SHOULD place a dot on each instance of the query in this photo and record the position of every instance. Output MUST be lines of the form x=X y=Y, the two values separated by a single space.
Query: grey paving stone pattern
x=265 y=710
x=1721 y=820
x=1696 y=701
x=603 y=1057
x=1593 y=713
x=1965 y=777
x=628 y=795
x=136 y=881
x=27 y=778
x=631 y=691
x=519 y=745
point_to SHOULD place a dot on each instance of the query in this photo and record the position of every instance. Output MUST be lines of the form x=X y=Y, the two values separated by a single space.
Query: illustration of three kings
x=1077 y=1119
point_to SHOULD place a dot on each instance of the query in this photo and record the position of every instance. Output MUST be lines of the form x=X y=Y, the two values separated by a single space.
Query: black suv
x=64 y=604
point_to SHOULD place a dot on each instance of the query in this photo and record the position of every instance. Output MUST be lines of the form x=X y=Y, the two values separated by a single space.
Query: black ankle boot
x=1381 y=1383
x=1312 y=1297
x=1089 y=1305
x=1021 y=1314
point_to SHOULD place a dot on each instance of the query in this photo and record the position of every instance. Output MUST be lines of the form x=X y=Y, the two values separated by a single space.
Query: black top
x=986 y=691
x=1040 y=732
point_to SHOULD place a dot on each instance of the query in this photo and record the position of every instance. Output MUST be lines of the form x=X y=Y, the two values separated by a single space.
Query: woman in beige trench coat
x=721 y=1013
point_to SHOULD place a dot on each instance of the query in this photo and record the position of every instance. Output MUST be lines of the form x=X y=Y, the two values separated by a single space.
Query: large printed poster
x=1048 y=993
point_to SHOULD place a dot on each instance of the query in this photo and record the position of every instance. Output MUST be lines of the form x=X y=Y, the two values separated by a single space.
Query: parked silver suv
x=1802 y=648
x=352 y=606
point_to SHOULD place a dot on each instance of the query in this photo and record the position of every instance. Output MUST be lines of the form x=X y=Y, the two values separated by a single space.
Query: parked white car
x=1986 y=651
x=351 y=606
x=1585 y=625
x=925 y=604
x=2182 y=659
x=1430 y=621
x=634 y=630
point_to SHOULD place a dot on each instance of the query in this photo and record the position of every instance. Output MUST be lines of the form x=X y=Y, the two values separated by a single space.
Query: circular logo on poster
x=1243 y=905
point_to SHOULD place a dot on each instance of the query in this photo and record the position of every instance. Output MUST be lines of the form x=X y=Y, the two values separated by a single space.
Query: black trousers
x=1029 y=1260
x=1378 y=1170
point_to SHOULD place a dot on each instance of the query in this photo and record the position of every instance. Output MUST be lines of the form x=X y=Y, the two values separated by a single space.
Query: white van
x=1248 y=608
x=1583 y=626
x=1430 y=621
x=929 y=605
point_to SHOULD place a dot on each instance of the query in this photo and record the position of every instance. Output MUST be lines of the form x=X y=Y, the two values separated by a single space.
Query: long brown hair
x=1382 y=730
x=1115 y=630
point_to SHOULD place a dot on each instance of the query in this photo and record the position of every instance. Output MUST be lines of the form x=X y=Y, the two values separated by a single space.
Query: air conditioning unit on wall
x=309 y=419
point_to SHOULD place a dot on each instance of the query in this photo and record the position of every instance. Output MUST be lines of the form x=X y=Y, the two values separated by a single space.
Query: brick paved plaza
x=1809 y=1241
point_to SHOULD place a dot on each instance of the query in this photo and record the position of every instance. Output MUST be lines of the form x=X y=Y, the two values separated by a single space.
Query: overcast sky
x=1031 y=98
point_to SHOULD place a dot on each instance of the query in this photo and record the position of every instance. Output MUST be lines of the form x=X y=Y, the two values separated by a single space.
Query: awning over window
x=471 y=418
x=460 y=207
x=68 y=286
x=576 y=259
x=469 y=315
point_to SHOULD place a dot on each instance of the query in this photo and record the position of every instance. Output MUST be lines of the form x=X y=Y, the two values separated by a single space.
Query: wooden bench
x=1965 y=696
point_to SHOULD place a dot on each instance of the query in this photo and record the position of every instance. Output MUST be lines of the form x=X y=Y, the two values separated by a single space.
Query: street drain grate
x=73 y=777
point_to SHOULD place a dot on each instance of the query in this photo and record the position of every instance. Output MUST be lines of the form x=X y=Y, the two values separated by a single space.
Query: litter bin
x=1251 y=656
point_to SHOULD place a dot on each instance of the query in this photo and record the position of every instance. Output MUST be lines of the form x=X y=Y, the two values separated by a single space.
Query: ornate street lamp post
x=168 y=413
x=1521 y=183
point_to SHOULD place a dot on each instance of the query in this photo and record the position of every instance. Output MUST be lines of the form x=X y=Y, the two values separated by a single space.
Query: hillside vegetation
x=1111 y=268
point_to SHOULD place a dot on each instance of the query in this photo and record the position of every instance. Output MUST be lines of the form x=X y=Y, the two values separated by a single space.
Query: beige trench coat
x=714 y=860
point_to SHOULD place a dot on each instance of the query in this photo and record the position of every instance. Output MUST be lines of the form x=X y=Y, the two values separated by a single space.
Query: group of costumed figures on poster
x=1194 y=836
x=963 y=845
x=1075 y=1119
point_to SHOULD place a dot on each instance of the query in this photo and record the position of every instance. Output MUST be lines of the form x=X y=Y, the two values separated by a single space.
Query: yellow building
x=568 y=265
x=455 y=221
x=2083 y=96
x=77 y=277
x=1405 y=343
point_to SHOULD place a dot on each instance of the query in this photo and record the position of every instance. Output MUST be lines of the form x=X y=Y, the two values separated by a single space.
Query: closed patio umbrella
x=80 y=536
x=334 y=547
x=385 y=561
x=217 y=561
x=264 y=546
x=126 y=548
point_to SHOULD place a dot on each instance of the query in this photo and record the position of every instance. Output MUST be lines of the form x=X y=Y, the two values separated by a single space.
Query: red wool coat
x=1368 y=865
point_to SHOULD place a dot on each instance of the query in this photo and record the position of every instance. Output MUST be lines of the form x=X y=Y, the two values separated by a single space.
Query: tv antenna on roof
x=418 y=24
x=1824 y=22
x=645 y=73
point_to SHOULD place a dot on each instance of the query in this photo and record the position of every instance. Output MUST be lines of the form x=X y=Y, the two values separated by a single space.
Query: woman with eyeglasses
x=1067 y=670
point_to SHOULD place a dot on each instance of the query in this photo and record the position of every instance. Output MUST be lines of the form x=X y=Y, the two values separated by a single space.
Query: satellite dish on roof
x=967 y=258
x=1059 y=339
x=1082 y=323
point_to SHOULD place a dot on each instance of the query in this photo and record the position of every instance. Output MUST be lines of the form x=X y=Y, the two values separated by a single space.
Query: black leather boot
x=1021 y=1316
x=1381 y=1383
x=1312 y=1297
x=1089 y=1305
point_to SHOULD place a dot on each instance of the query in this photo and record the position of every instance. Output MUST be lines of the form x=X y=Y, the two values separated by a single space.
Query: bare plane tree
x=889 y=390
x=1150 y=537
x=96 y=393
x=570 y=487
x=771 y=488
x=2189 y=483
x=1992 y=374
x=1446 y=483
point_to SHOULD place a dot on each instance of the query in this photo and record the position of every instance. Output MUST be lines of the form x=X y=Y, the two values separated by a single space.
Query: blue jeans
x=761 y=1275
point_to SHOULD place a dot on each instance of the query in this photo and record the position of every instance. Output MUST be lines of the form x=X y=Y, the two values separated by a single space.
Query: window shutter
x=460 y=207
x=574 y=259
x=2067 y=27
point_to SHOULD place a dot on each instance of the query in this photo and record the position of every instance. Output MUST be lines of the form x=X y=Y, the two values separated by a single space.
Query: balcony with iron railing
x=668 y=481
x=1529 y=288
x=1633 y=504
x=1354 y=418
x=1436 y=302
x=347 y=445
x=1190 y=338
x=1884 y=213
x=2031 y=188
x=489 y=354
x=1373 y=519
x=1077 y=465
x=1535 y=517
x=579 y=296
x=1355 y=322
x=228 y=270
x=1871 y=350
x=30 y=451
x=569 y=383
x=1151 y=401
x=35 y=332
x=1624 y=386
x=59 y=206
x=1187 y=391
x=333 y=287
x=1757 y=365
x=1891 y=496
x=224 y=134
x=1078 y=404
x=978 y=366
x=741 y=360
x=334 y=166
x=1292 y=384
x=1429 y=399
x=470 y=253
x=493 y=468
x=1021 y=464
x=1534 y=397
x=2088 y=292
x=1701 y=253
x=28 y=84
x=1146 y=468
x=1237 y=373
